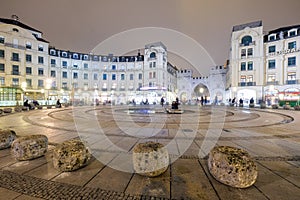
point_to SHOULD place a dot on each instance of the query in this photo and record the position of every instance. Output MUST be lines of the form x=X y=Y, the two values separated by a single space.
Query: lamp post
x=48 y=86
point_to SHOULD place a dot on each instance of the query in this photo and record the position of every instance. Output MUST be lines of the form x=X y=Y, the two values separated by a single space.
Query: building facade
x=264 y=66
x=32 y=69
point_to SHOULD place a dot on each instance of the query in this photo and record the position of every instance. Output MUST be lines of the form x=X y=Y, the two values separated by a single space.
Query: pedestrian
x=162 y=100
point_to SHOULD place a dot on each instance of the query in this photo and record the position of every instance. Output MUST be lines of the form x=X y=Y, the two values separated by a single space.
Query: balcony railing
x=15 y=59
x=291 y=82
x=15 y=73
x=272 y=83
x=242 y=84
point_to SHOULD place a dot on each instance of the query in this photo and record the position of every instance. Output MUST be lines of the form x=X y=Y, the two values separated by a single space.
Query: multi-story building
x=264 y=66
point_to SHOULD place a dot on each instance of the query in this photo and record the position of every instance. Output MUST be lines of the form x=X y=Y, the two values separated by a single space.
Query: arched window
x=153 y=55
x=246 y=40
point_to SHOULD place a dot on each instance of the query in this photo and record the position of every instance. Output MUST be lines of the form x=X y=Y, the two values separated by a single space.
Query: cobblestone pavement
x=272 y=138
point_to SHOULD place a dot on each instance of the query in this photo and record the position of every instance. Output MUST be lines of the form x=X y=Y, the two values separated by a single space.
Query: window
x=292 y=33
x=104 y=77
x=28 y=58
x=2 y=40
x=291 y=78
x=2 y=54
x=113 y=77
x=122 y=77
x=41 y=47
x=95 y=77
x=250 y=78
x=65 y=85
x=271 y=78
x=272 y=49
x=75 y=75
x=154 y=75
x=154 y=64
x=153 y=55
x=75 y=85
x=131 y=77
x=53 y=73
x=28 y=82
x=40 y=83
x=28 y=70
x=75 y=65
x=64 y=54
x=15 y=69
x=15 y=57
x=113 y=67
x=292 y=45
x=150 y=75
x=85 y=76
x=53 y=62
x=243 y=53
x=250 y=52
x=2 y=80
x=246 y=40
x=272 y=64
x=250 y=65
x=41 y=60
x=243 y=66
x=292 y=61
x=85 y=65
x=15 y=82
x=64 y=74
x=140 y=76
x=64 y=63
x=28 y=45
x=40 y=71
x=2 y=67
x=272 y=37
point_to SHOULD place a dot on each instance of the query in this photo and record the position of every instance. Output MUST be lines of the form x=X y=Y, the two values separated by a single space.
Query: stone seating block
x=40 y=107
x=274 y=106
x=286 y=107
x=251 y=105
x=29 y=147
x=150 y=159
x=1 y=111
x=25 y=108
x=7 y=110
x=71 y=155
x=49 y=107
x=297 y=107
x=6 y=138
x=232 y=166
x=18 y=109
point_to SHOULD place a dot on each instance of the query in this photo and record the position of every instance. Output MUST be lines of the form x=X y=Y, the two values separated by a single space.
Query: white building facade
x=264 y=66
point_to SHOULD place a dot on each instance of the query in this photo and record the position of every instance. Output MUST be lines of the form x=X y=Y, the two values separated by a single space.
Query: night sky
x=79 y=25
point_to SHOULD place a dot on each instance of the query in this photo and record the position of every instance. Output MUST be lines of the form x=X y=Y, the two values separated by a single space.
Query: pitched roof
x=17 y=23
x=250 y=25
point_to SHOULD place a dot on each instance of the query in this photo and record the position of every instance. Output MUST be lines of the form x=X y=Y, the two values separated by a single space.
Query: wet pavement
x=271 y=137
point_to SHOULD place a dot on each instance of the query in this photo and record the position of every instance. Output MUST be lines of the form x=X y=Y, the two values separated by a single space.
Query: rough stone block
x=1 y=111
x=40 y=107
x=251 y=105
x=297 y=107
x=49 y=107
x=18 y=109
x=274 y=106
x=25 y=108
x=232 y=166
x=7 y=110
x=71 y=155
x=150 y=159
x=286 y=107
x=6 y=138
x=29 y=147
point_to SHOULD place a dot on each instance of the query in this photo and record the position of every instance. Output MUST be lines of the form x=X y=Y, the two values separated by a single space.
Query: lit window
x=271 y=78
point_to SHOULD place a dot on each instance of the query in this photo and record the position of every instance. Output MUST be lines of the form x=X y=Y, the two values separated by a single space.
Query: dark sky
x=79 y=25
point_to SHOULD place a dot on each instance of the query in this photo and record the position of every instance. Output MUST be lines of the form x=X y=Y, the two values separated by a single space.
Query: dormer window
x=292 y=33
x=85 y=57
x=272 y=37
x=64 y=54
x=15 y=30
x=52 y=52
x=75 y=56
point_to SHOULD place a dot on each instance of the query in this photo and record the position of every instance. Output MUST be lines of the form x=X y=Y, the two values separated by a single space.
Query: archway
x=201 y=92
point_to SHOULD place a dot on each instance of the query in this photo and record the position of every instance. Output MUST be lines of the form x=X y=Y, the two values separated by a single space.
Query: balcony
x=291 y=82
x=242 y=84
x=53 y=65
x=15 y=73
x=15 y=85
x=15 y=59
x=272 y=83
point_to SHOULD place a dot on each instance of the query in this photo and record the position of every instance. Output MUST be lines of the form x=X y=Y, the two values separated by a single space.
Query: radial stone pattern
x=150 y=159
x=232 y=166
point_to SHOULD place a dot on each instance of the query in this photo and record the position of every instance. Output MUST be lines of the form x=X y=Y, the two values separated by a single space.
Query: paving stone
x=6 y=194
